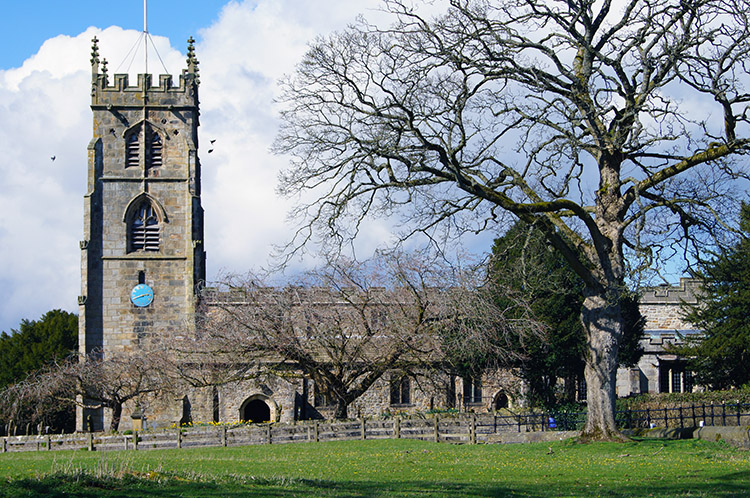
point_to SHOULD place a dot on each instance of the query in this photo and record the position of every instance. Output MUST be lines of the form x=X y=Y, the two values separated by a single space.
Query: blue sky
x=26 y=24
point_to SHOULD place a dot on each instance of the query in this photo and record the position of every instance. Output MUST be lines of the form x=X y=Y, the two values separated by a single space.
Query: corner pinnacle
x=95 y=53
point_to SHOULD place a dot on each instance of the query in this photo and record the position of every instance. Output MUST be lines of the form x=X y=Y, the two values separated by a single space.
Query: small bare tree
x=348 y=324
x=112 y=381
x=27 y=403
x=617 y=128
x=92 y=383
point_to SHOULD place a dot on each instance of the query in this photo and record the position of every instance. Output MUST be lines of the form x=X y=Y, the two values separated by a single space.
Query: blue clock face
x=142 y=295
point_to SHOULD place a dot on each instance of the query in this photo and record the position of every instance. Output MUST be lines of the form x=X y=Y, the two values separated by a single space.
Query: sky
x=244 y=48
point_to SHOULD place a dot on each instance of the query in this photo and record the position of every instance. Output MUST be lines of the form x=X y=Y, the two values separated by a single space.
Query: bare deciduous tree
x=92 y=383
x=346 y=325
x=26 y=404
x=612 y=126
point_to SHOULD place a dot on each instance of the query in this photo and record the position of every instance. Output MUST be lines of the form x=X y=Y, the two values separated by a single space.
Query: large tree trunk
x=603 y=324
x=341 y=409
x=116 y=416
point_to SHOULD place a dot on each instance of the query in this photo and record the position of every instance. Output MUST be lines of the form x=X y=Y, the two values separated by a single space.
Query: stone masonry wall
x=118 y=182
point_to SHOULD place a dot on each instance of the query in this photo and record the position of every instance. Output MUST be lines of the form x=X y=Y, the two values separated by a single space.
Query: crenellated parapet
x=663 y=307
x=686 y=291
x=118 y=91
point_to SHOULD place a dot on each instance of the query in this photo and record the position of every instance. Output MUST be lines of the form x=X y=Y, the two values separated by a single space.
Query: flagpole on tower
x=132 y=55
x=145 y=36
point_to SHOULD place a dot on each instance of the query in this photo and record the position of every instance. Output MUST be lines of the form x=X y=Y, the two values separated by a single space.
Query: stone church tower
x=142 y=255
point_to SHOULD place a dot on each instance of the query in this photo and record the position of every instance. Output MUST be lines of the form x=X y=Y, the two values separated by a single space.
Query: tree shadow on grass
x=729 y=486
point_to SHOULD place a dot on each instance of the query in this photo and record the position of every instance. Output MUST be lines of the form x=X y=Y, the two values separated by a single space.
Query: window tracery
x=149 y=146
x=144 y=228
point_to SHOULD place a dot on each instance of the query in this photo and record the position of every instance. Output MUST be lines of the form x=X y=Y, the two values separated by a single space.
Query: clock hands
x=142 y=295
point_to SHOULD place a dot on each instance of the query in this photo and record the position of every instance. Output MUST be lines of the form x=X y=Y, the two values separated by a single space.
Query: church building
x=143 y=265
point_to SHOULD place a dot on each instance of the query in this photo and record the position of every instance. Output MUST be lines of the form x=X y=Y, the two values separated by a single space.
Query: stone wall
x=663 y=308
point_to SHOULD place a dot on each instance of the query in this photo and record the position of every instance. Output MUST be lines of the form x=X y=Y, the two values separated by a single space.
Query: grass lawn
x=388 y=468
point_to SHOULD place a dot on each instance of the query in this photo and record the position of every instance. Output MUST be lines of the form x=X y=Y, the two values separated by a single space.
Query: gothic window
x=144 y=228
x=215 y=404
x=472 y=390
x=132 y=149
x=400 y=390
x=155 y=149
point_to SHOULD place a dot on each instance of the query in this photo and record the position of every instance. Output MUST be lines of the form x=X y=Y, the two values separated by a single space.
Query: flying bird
x=214 y=140
x=210 y=151
x=53 y=157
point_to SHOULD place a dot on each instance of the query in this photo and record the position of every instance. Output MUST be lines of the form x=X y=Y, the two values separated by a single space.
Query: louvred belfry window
x=144 y=229
x=132 y=149
x=155 y=150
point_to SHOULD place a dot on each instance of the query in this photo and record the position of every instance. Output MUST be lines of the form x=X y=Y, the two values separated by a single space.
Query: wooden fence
x=464 y=428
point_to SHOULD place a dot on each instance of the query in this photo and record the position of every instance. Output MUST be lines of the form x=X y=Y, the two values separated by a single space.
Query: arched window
x=144 y=228
x=155 y=149
x=472 y=390
x=132 y=148
x=400 y=390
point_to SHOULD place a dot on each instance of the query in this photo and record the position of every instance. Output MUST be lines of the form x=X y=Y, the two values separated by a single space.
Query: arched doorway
x=500 y=401
x=258 y=408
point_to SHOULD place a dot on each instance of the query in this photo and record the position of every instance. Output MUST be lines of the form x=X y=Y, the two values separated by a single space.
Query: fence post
x=712 y=414
x=90 y=441
x=682 y=425
x=317 y=432
x=738 y=414
x=437 y=435
x=135 y=440
x=695 y=424
x=397 y=425
x=5 y=444
x=723 y=414
x=362 y=421
x=224 y=435
x=49 y=442
x=179 y=438
x=666 y=419
x=125 y=438
x=473 y=428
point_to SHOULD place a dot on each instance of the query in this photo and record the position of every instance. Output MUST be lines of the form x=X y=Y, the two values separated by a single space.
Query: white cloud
x=242 y=57
x=45 y=110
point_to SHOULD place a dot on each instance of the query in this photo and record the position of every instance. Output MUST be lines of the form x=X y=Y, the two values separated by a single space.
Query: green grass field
x=388 y=468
